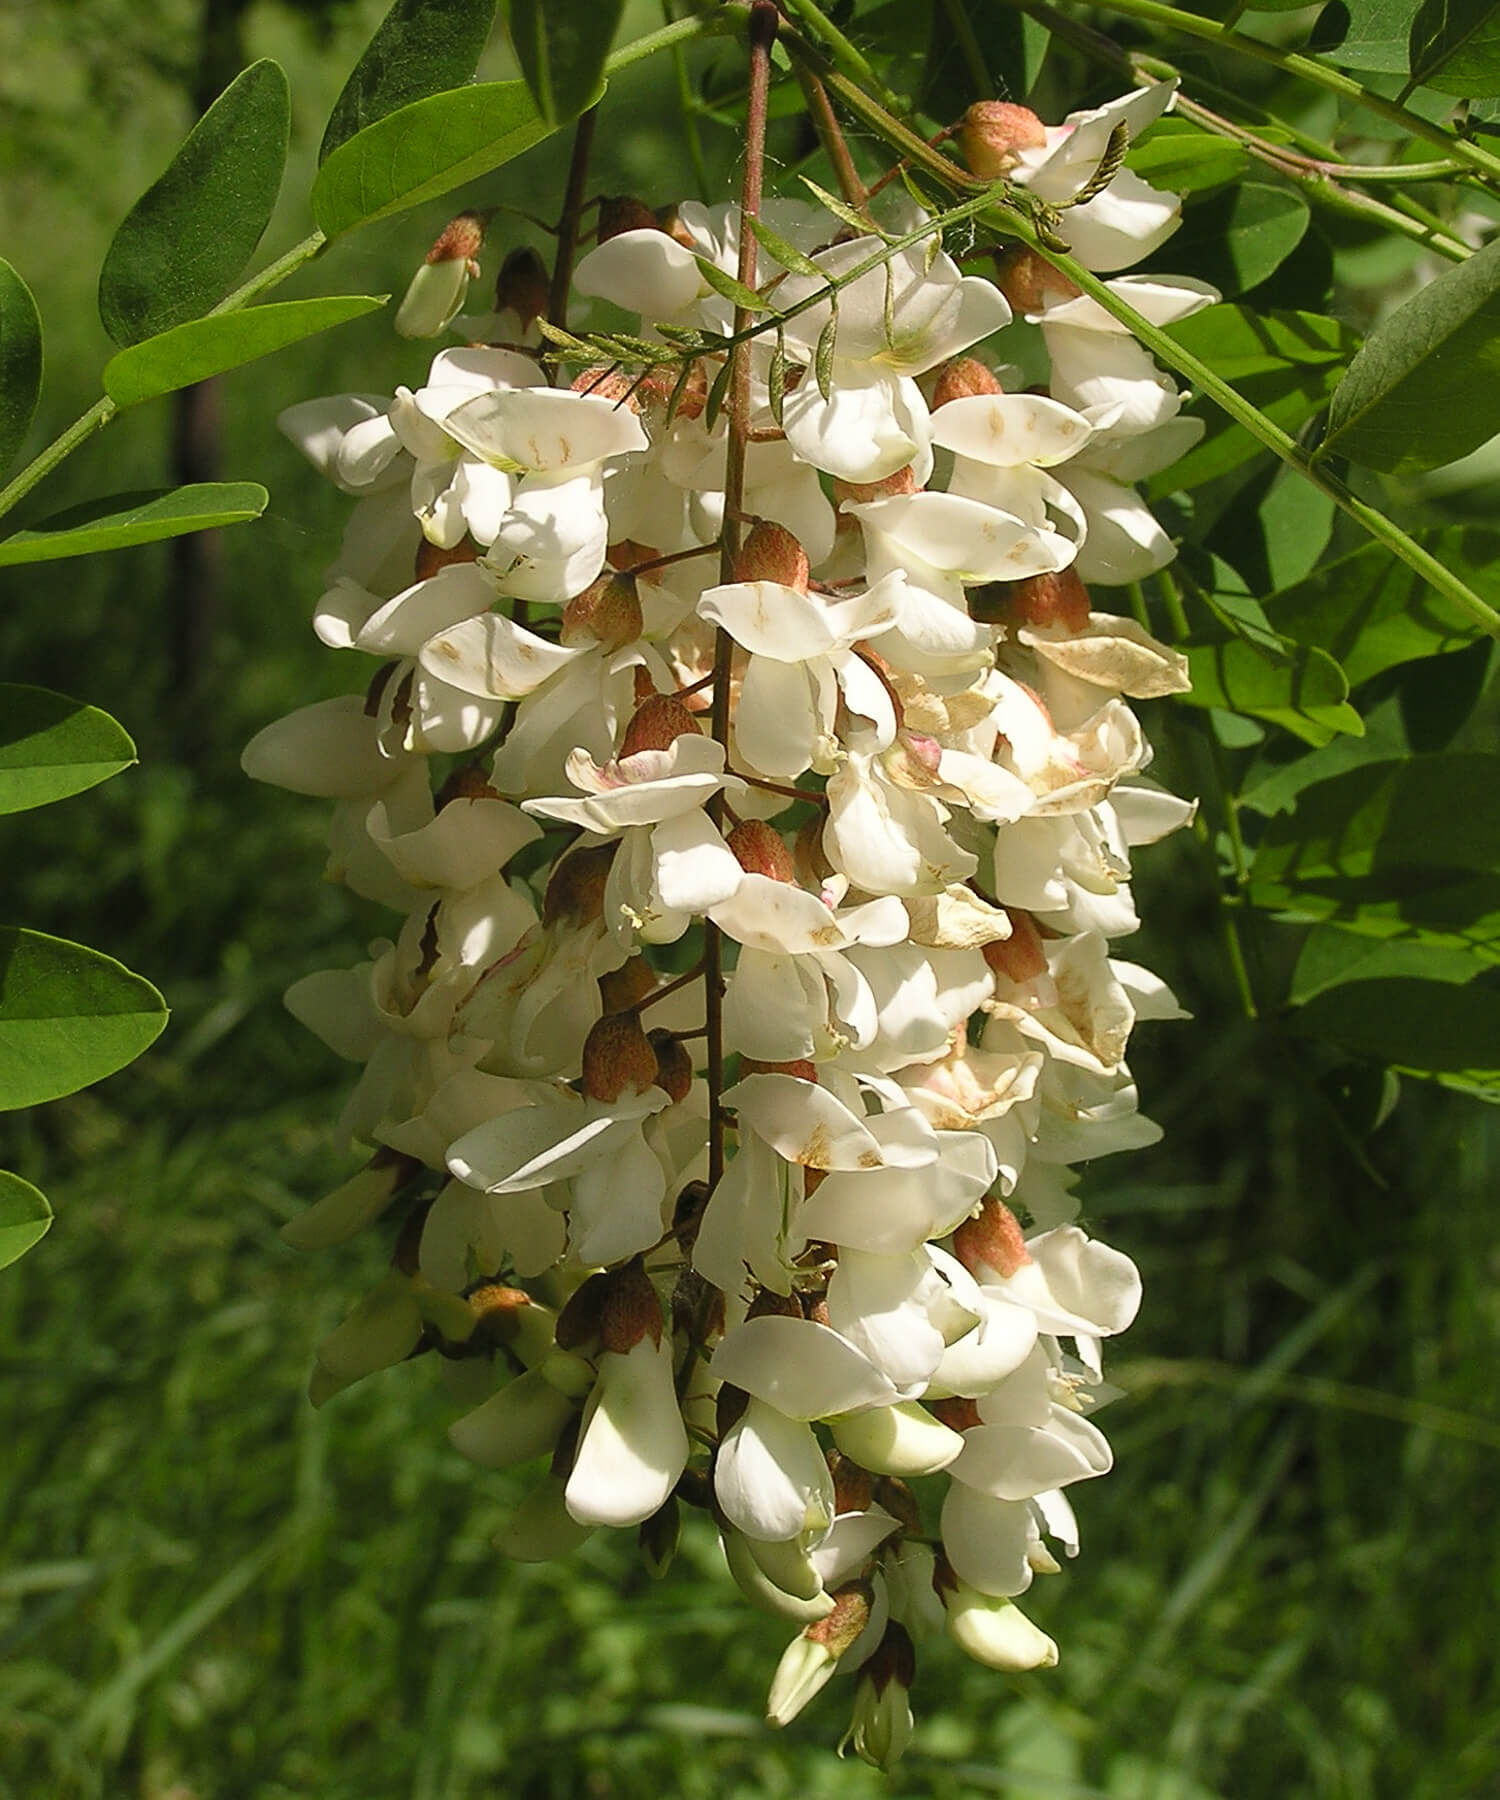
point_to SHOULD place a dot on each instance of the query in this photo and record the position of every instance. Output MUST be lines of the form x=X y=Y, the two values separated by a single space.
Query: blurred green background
x=1289 y=1582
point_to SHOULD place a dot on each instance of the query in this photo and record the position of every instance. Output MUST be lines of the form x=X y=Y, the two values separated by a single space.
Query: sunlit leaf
x=1330 y=956
x=421 y=47
x=185 y=241
x=1455 y=47
x=561 y=46
x=51 y=747
x=69 y=1016
x=423 y=150
x=1305 y=693
x=1366 y=34
x=20 y=362
x=1425 y=388
x=205 y=347
x=1183 y=159
x=120 y=520
x=1237 y=238
x=24 y=1217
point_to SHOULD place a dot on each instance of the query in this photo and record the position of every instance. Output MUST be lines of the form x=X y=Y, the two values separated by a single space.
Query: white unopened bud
x=437 y=289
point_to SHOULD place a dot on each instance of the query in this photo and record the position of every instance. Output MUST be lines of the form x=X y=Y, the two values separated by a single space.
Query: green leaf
x=841 y=209
x=20 y=362
x=1425 y=1027
x=206 y=347
x=423 y=150
x=731 y=289
x=24 y=1217
x=561 y=46
x=120 y=520
x=421 y=47
x=1371 y=612
x=51 y=747
x=69 y=1016
x=823 y=351
x=1455 y=47
x=184 y=242
x=1366 y=34
x=1183 y=159
x=787 y=254
x=1305 y=692
x=1236 y=239
x=1285 y=363
x=1425 y=388
x=1330 y=957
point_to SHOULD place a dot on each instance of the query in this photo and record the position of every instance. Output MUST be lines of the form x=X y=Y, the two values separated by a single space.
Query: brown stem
x=764 y=20
x=677 y=556
x=811 y=795
x=567 y=225
x=694 y=974
x=832 y=136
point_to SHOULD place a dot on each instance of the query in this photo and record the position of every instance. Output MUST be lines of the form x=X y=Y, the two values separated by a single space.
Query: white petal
x=801 y=1368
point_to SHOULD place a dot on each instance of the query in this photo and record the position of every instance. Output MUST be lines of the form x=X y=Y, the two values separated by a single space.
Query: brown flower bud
x=1020 y=957
x=674 y=1067
x=729 y=1408
x=575 y=893
x=607 y=612
x=603 y=383
x=860 y=493
x=668 y=221
x=626 y=554
x=1055 y=599
x=578 y=1323
x=853 y=1486
x=851 y=1613
x=771 y=553
x=1027 y=280
x=467 y=782
x=895 y=1659
x=760 y=849
x=992 y=134
x=631 y=1309
x=957 y=1413
x=522 y=285
x=625 y=987
x=617 y=1058
x=657 y=724
x=900 y=1502
x=801 y=1068
x=993 y=1240
x=961 y=379
x=495 y=1308
x=623 y=212
x=462 y=239
x=430 y=560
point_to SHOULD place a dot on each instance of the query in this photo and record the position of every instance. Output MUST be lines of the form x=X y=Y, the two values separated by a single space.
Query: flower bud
x=607 y=612
x=578 y=1322
x=808 y=1662
x=521 y=286
x=1054 y=599
x=771 y=553
x=993 y=1241
x=897 y=1440
x=760 y=849
x=438 y=287
x=517 y=1424
x=575 y=893
x=800 y=1067
x=617 y=1058
x=657 y=724
x=957 y=1413
x=900 y=1502
x=431 y=559
x=962 y=379
x=603 y=382
x=860 y=493
x=348 y=1209
x=993 y=133
x=631 y=1310
x=992 y=1630
x=1019 y=957
x=881 y=1726
x=623 y=212
x=853 y=1486
x=674 y=1066
x=746 y=1560
x=1027 y=280
x=624 y=988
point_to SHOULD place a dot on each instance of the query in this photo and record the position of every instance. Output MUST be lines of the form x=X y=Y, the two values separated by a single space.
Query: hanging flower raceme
x=753 y=983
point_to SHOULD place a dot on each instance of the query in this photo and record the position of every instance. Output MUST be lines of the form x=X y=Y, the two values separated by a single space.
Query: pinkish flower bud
x=657 y=724
x=994 y=1240
x=992 y=134
x=962 y=379
x=604 y=383
x=1028 y=280
x=801 y=1068
x=771 y=553
x=860 y=493
x=431 y=559
x=438 y=287
x=853 y=1487
x=1053 y=599
x=1020 y=957
x=617 y=1058
x=760 y=849
x=956 y=1413
x=607 y=612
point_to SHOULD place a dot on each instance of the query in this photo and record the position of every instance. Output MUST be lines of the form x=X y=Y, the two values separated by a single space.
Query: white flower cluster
x=908 y=849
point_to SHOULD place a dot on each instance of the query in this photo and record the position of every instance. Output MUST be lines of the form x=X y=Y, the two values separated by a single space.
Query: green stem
x=973 y=50
x=680 y=31
x=845 y=54
x=273 y=273
x=1171 y=18
x=95 y=419
x=685 y=111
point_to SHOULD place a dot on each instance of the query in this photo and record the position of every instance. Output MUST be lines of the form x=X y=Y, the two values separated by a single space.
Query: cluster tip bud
x=993 y=133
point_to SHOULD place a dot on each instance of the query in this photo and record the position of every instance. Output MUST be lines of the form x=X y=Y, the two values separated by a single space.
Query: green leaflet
x=205 y=347
x=182 y=245
x=52 y=747
x=24 y=1217
x=423 y=150
x=20 y=362
x=420 y=47
x=561 y=46
x=120 y=520
x=1455 y=47
x=1425 y=388
x=1303 y=691
x=69 y=1016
